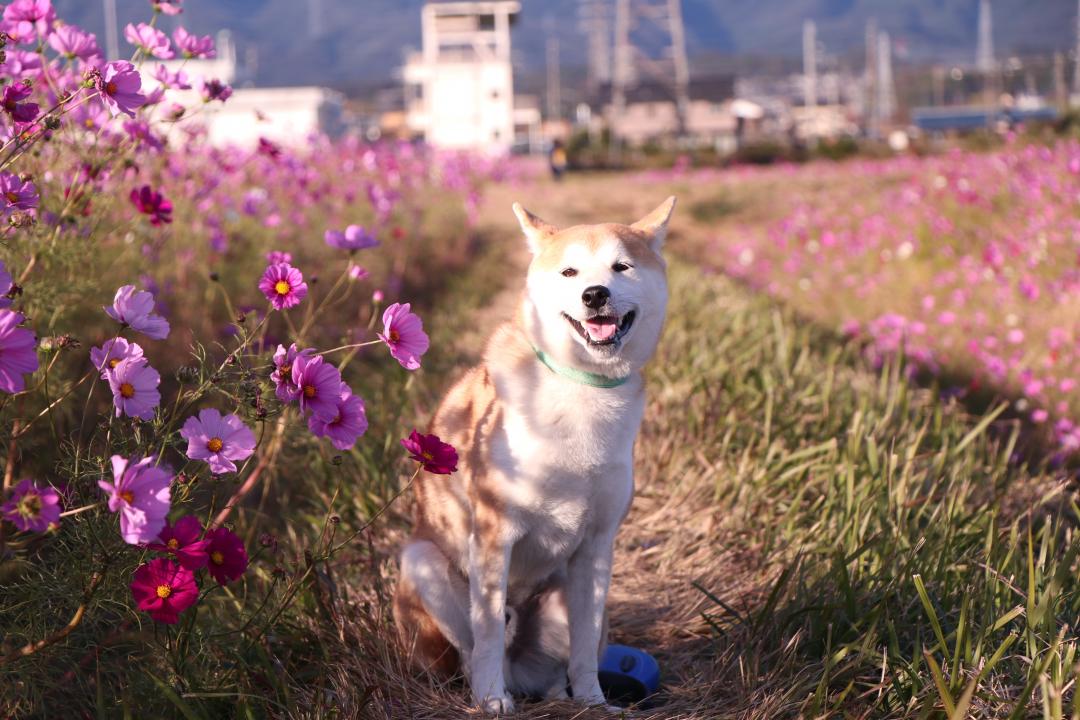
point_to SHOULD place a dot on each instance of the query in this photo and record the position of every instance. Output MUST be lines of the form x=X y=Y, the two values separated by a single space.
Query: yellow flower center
x=114 y=362
x=89 y=123
x=216 y=557
x=427 y=456
x=110 y=87
x=394 y=335
x=164 y=590
x=127 y=496
x=282 y=288
x=173 y=543
x=127 y=390
x=11 y=197
x=214 y=444
x=286 y=370
x=30 y=505
x=309 y=391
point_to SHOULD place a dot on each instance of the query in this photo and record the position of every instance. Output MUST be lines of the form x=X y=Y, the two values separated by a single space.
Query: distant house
x=459 y=90
x=651 y=112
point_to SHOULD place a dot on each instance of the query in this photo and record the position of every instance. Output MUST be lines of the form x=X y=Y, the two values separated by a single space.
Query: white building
x=459 y=91
x=286 y=115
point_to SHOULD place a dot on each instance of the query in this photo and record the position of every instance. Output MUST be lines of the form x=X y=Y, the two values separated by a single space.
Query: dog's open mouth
x=603 y=329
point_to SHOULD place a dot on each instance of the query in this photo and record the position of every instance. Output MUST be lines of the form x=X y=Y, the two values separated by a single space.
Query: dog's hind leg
x=431 y=609
x=538 y=655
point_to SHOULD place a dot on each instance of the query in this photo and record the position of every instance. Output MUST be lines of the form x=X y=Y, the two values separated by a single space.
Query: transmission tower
x=809 y=60
x=594 y=21
x=650 y=43
x=984 y=51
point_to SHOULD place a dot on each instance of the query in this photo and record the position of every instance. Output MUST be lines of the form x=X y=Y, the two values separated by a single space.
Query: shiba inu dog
x=507 y=572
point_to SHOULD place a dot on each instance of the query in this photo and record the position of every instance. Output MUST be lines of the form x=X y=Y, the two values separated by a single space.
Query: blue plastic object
x=628 y=675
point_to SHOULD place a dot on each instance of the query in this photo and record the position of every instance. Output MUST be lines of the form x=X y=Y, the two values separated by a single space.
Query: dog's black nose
x=595 y=296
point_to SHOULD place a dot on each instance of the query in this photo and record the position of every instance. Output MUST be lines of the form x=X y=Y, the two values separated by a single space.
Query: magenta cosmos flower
x=32 y=508
x=217 y=439
x=286 y=389
x=152 y=203
x=140 y=493
x=7 y=284
x=193 y=46
x=164 y=589
x=135 y=388
x=404 y=333
x=14 y=103
x=320 y=386
x=283 y=285
x=112 y=352
x=213 y=89
x=150 y=40
x=38 y=13
x=73 y=42
x=184 y=541
x=432 y=453
x=18 y=352
x=136 y=310
x=228 y=558
x=348 y=424
x=354 y=237
x=16 y=193
x=121 y=88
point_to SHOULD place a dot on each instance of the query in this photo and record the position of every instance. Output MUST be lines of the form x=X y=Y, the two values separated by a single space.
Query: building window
x=487 y=22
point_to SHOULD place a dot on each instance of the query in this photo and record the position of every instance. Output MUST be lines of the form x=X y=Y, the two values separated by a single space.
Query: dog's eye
x=620 y=267
x=569 y=272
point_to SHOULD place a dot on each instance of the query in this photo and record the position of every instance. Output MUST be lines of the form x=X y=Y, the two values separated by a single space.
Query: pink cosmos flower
x=213 y=89
x=348 y=424
x=320 y=386
x=432 y=453
x=135 y=388
x=183 y=540
x=168 y=7
x=7 y=284
x=152 y=203
x=16 y=194
x=228 y=558
x=13 y=105
x=140 y=493
x=121 y=88
x=72 y=42
x=283 y=285
x=217 y=439
x=39 y=13
x=21 y=64
x=355 y=237
x=32 y=508
x=136 y=310
x=177 y=80
x=275 y=257
x=150 y=40
x=193 y=46
x=112 y=352
x=164 y=589
x=285 y=388
x=403 y=332
x=18 y=352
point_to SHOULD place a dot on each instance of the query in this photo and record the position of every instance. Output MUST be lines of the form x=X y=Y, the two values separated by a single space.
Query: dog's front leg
x=589 y=575
x=489 y=561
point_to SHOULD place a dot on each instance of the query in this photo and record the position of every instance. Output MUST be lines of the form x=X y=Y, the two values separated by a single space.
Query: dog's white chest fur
x=565 y=466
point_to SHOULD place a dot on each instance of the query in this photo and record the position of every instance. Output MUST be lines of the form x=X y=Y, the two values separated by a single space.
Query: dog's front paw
x=497 y=705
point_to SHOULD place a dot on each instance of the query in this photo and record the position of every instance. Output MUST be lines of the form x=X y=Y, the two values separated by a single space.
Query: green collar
x=579 y=376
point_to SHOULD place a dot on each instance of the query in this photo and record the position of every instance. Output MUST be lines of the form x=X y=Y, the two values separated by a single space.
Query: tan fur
x=526 y=525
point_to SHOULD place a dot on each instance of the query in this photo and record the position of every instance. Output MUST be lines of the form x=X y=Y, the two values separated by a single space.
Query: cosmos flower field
x=967 y=264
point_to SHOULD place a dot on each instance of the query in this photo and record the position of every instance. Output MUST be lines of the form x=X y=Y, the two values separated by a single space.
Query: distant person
x=557 y=158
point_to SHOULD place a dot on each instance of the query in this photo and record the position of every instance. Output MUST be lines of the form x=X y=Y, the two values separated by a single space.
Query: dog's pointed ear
x=656 y=223
x=536 y=230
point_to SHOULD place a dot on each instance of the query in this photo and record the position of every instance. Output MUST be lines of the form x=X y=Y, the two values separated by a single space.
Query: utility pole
x=886 y=100
x=316 y=29
x=870 y=95
x=112 y=41
x=1061 y=96
x=809 y=61
x=984 y=51
x=554 y=87
x=1076 y=67
x=594 y=21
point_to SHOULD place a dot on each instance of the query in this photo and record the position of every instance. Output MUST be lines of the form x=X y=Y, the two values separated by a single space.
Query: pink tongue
x=600 y=330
